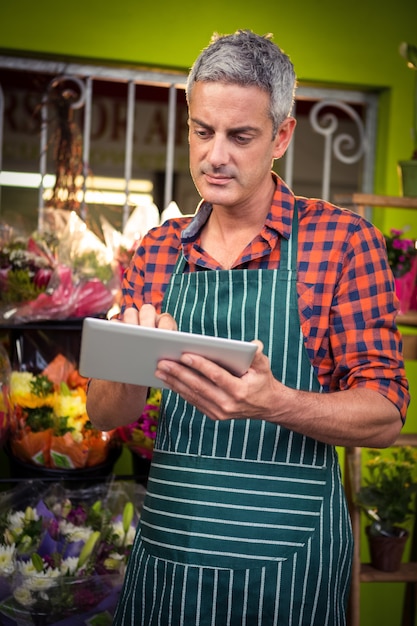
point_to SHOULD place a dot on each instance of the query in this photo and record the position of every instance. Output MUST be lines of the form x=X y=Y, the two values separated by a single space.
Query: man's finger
x=131 y=316
x=167 y=322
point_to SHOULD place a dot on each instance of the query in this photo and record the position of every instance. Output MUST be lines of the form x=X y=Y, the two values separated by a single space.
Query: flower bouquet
x=402 y=257
x=63 y=272
x=63 y=553
x=139 y=436
x=49 y=425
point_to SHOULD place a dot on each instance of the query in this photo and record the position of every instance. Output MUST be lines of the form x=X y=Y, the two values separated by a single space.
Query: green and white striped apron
x=245 y=522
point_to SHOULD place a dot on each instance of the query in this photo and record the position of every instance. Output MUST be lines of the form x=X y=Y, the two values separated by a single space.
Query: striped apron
x=245 y=522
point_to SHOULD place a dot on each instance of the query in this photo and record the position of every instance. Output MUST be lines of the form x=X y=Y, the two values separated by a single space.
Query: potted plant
x=408 y=169
x=388 y=499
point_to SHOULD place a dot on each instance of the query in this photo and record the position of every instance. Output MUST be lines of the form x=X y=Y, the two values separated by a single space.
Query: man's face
x=231 y=143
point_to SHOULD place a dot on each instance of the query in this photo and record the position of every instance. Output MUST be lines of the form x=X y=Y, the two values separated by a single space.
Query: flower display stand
x=48 y=453
x=364 y=572
x=80 y=478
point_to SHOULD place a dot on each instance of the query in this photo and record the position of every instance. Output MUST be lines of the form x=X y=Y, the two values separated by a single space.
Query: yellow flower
x=71 y=406
x=21 y=391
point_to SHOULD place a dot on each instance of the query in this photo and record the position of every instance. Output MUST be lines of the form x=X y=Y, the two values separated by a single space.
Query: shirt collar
x=279 y=217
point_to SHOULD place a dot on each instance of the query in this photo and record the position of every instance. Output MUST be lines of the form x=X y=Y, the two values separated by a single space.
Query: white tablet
x=129 y=353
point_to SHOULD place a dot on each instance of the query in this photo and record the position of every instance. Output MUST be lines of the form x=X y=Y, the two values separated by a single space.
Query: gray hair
x=244 y=59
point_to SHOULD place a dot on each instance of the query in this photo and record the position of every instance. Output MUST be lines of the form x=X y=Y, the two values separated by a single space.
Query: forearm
x=356 y=417
x=112 y=404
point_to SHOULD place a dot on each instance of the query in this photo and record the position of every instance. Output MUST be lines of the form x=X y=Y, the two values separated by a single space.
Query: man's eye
x=202 y=133
x=242 y=139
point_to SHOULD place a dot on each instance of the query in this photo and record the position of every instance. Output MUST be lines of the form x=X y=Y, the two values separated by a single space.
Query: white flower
x=119 y=534
x=69 y=565
x=74 y=533
x=62 y=508
x=115 y=562
x=23 y=596
x=130 y=537
x=16 y=522
x=7 y=559
x=42 y=580
x=26 y=568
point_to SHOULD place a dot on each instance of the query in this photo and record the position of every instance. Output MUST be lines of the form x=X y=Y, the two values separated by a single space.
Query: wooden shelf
x=406 y=574
x=362 y=200
x=407 y=319
x=364 y=572
x=368 y=199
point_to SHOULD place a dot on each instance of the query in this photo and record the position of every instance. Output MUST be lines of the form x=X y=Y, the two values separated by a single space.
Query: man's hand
x=216 y=392
x=147 y=316
x=111 y=404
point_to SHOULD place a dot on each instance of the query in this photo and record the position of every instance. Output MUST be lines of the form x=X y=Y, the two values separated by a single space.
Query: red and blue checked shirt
x=346 y=299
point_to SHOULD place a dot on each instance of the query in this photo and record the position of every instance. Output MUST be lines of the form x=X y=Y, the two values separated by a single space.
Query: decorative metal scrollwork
x=343 y=145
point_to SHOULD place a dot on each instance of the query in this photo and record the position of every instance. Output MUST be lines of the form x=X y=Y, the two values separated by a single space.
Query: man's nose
x=218 y=153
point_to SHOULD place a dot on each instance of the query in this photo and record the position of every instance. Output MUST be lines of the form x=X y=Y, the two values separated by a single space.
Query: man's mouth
x=217 y=179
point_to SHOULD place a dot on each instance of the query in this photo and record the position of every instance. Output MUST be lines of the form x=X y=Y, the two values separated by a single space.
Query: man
x=245 y=520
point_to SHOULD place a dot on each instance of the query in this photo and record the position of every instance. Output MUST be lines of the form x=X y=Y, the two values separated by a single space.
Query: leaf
x=37 y=562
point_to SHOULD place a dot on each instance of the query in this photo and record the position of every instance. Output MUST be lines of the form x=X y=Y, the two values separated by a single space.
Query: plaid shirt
x=347 y=304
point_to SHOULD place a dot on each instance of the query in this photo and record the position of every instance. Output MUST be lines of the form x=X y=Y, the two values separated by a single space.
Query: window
x=130 y=138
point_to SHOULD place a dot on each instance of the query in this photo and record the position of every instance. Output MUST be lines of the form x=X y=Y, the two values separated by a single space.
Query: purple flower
x=77 y=516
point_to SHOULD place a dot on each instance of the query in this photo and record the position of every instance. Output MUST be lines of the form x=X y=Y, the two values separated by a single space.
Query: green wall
x=329 y=41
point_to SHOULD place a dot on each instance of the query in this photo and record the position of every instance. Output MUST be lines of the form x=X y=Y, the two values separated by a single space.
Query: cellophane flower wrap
x=144 y=217
x=63 y=552
x=49 y=424
x=5 y=373
x=61 y=272
x=402 y=257
x=139 y=436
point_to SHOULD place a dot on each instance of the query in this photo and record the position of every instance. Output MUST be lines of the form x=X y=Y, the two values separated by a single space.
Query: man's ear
x=284 y=136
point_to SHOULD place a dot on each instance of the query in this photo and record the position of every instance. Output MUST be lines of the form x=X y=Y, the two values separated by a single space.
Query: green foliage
x=40 y=418
x=41 y=386
x=20 y=287
x=89 y=266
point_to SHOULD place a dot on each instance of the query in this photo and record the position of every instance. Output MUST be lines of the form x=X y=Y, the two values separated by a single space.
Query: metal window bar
x=86 y=139
x=169 y=168
x=129 y=146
